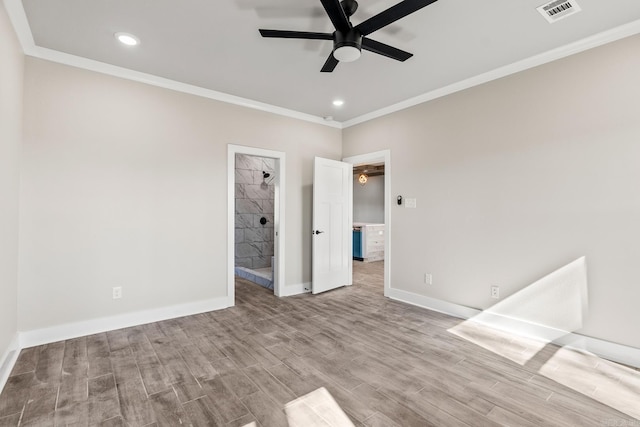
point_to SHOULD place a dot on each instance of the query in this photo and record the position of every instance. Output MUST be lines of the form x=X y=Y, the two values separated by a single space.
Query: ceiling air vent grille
x=559 y=9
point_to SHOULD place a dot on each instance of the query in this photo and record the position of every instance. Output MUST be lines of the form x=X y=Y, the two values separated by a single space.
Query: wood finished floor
x=385 y=363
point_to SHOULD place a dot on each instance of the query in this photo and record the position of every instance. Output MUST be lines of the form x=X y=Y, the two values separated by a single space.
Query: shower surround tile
x=263 y=235
x=254 y=200
x=249 y=206
x=244 y=221
x=268 y=206
x=258 y=191
x=244 y=176
x=248 y=250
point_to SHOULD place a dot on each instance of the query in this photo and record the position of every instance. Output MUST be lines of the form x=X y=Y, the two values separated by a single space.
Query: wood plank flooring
x=385 y=363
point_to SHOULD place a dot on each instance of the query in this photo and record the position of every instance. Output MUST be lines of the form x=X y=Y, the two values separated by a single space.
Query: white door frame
x=377 y=157
x=278 y=215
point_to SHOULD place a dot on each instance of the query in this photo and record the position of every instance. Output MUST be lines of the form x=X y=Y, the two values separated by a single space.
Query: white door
x=332 y=224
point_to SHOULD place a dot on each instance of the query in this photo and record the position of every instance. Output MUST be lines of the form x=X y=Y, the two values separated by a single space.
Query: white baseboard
x=433 y=304
x=8 y=360
x=297 y=289
x=94 y=326
x=608 y=350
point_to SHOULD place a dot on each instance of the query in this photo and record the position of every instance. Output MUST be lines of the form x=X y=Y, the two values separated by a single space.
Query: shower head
x=265 y=175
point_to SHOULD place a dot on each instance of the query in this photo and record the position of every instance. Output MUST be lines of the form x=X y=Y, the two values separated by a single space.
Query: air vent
x=559 y=9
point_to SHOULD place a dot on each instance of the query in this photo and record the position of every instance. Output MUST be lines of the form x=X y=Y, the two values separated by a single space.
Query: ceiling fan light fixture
x=347 y=53
x=347 y=47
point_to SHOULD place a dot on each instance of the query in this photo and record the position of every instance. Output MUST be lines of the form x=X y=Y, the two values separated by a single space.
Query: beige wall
x=368 y=200
x=518 y=177
x=11 y=71
x=125 y=184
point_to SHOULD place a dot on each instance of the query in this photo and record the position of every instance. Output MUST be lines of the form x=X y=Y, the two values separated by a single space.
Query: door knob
x=317 y=232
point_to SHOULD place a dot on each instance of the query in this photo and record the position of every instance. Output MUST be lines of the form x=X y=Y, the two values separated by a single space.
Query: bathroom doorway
x=254 y=210
x=255 y=249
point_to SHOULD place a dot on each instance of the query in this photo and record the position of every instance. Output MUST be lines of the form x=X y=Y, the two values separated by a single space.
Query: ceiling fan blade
x=385 y=50
x=391 y=15
x=282 y=34
x=336 y=14
x=330 y=64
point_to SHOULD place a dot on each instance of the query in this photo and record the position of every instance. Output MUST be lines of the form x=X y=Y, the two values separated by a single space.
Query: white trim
x=375 y=157
x=20 y=23
x=278 y=215
x=21 y=26
x=150 y=79
x=297 y=289
x=8 y=360
x=103 y=324
x=587 y=43
x=433 y=304
x=518 y=326
x=608 y=350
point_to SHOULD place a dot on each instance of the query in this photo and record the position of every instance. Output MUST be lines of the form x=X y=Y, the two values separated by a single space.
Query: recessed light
x=128 y=39
x=338 y=102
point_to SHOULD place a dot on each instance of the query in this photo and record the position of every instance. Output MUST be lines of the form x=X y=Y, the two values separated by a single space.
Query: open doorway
x=371 y=219
x=254 y=216
x=255 y=221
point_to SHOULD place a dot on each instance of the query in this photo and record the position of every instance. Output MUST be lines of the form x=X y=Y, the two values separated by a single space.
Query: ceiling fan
x=348 y=41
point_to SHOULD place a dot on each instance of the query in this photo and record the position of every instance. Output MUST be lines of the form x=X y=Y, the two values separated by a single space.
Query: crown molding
x=21 y=26
x=591 y=42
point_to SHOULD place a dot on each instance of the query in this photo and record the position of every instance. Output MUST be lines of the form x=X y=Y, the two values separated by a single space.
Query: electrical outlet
x=495 y=292
x=117 y=292
x=428 y=279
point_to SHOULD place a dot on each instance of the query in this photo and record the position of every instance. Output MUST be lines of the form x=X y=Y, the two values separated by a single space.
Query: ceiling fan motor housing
x=346 y=42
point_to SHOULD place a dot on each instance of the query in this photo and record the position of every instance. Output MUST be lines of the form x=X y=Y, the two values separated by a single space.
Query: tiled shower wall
x=254 y=199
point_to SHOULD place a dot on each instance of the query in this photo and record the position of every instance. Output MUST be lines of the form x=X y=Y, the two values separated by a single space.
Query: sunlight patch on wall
x=521 y=328
x=558 y=301
x=542 y=312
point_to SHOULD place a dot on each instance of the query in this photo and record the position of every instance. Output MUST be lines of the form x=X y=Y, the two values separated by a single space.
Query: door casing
x=377 y=157
x=278 y=216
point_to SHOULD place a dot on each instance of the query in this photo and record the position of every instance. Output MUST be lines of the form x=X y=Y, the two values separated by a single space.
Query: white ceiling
x=215 y=45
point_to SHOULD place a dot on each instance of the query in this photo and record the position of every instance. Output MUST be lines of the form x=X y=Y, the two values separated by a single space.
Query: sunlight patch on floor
x=544 y=311
x=517 y=349
x=520 y=327
x=316 y=409
x=607 y=382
